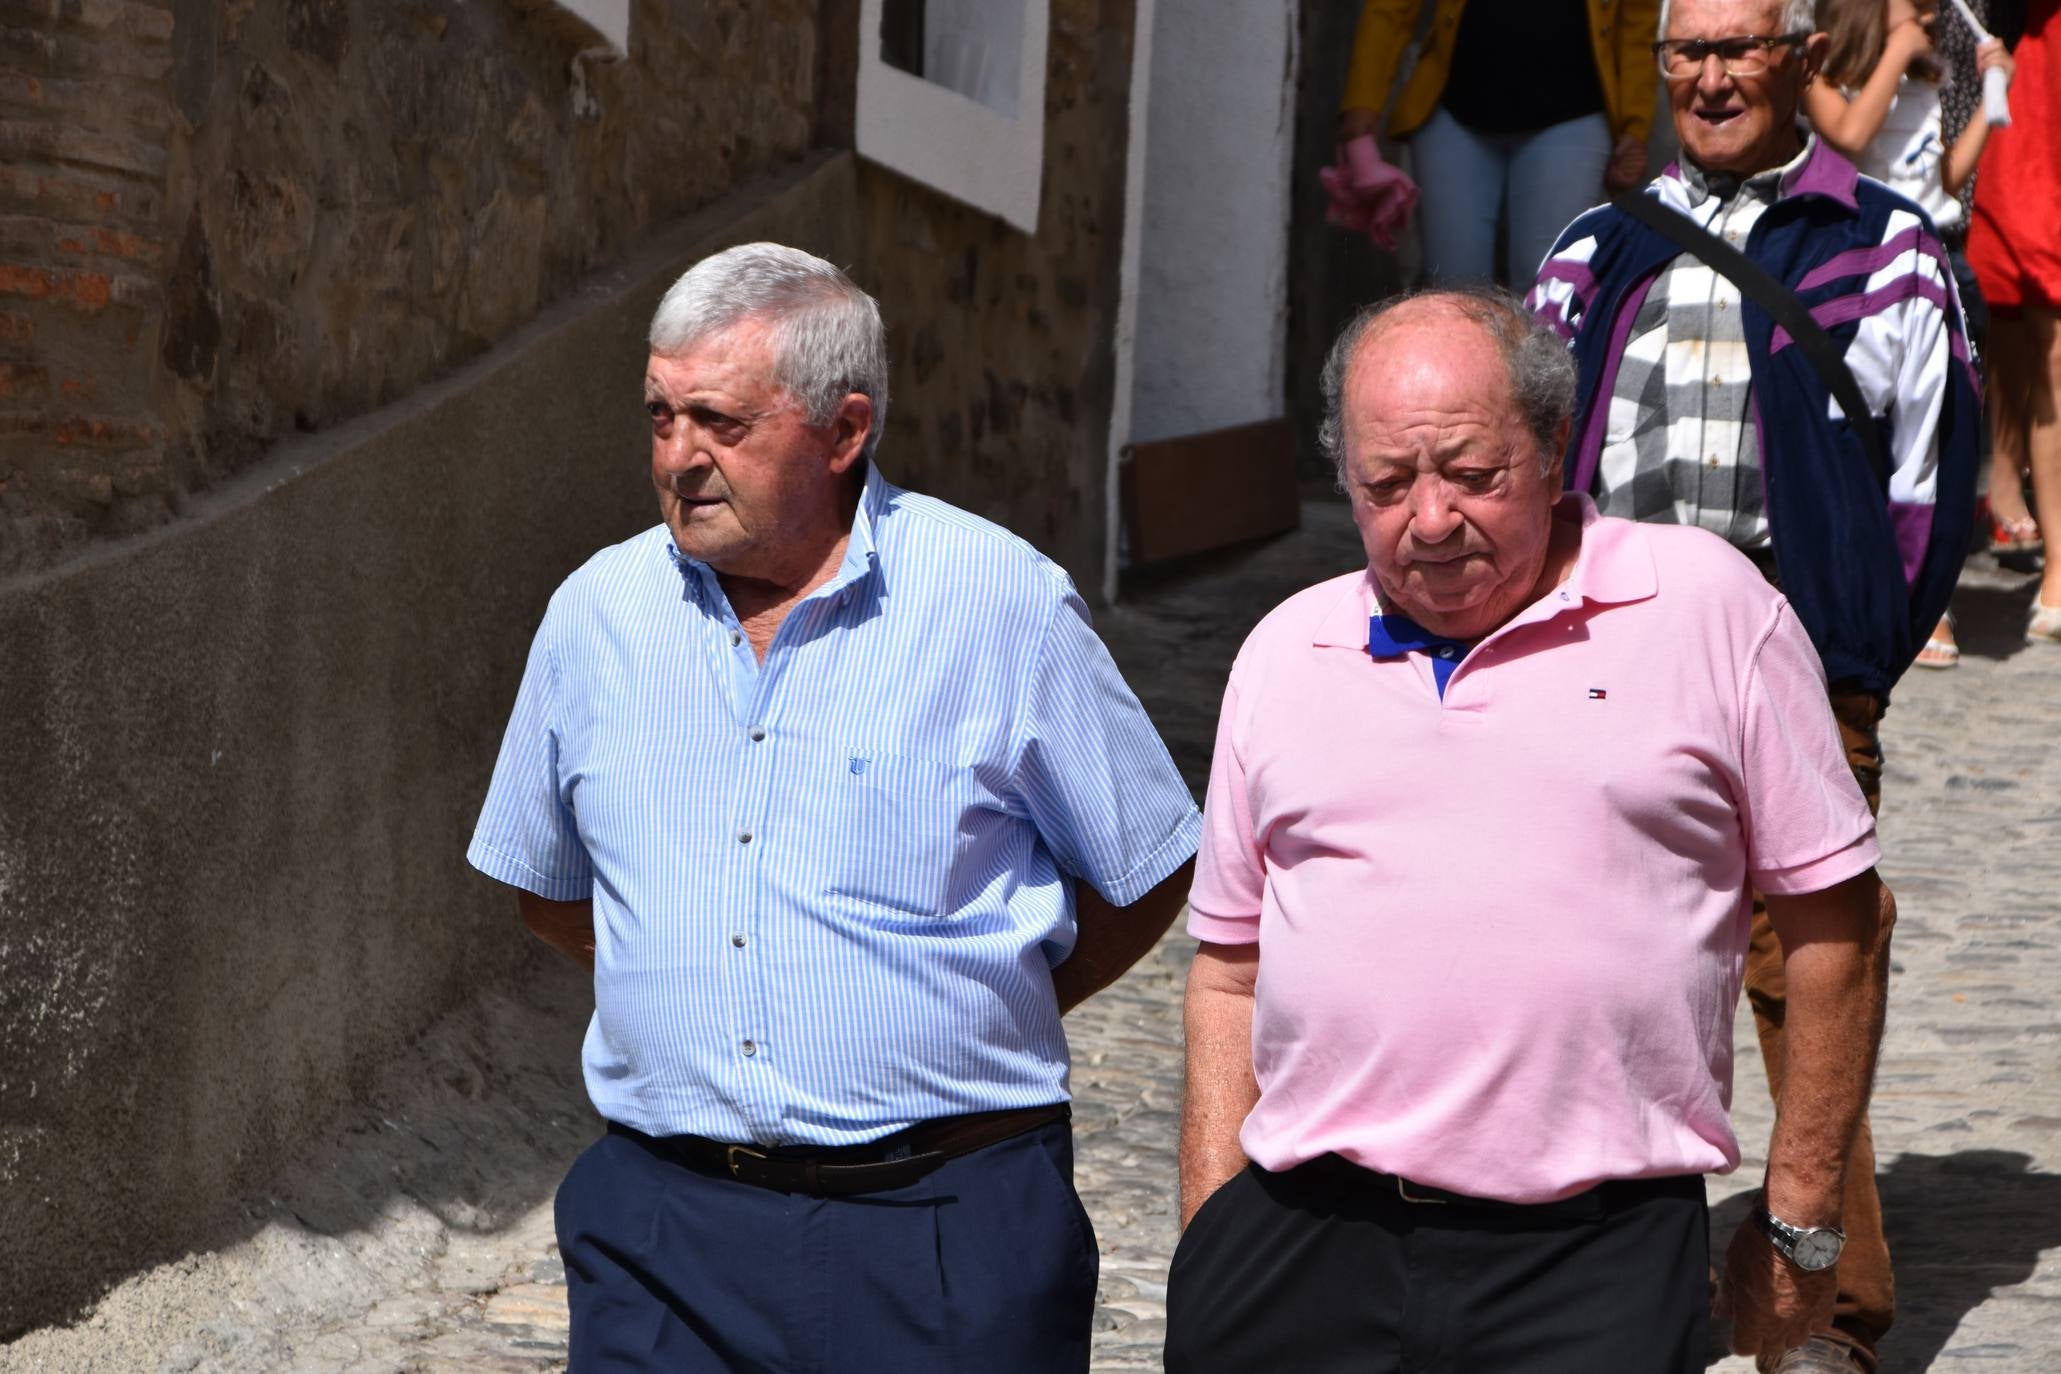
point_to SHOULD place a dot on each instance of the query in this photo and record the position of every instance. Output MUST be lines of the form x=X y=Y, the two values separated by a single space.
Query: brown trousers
x=1867 y=1290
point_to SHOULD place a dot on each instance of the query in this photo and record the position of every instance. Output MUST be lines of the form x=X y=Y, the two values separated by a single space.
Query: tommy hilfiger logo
x=1598 y=694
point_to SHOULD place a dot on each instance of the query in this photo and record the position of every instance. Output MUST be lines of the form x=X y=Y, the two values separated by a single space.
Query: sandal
x=2043 y=626
x=2021 y=534
x=1942 y=653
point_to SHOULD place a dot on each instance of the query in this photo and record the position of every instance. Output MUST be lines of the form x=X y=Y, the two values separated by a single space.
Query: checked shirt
x=1681 y=447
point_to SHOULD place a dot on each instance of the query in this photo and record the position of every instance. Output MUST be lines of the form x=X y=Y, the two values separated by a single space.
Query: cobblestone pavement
x=419 y=1239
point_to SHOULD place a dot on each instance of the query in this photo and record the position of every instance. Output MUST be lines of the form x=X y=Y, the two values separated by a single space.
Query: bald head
x=1536 y=365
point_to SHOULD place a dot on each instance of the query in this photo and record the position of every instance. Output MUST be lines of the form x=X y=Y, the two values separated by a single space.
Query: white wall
x=1213 y=265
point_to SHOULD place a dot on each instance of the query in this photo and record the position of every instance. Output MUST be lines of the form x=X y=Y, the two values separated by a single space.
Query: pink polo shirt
x=1501 y=935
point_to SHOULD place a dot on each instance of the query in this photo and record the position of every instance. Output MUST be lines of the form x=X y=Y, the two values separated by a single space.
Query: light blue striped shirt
x=829 y=889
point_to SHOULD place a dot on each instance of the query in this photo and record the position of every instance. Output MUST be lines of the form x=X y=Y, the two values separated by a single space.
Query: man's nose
x=679 y=451
x=1433 y=517
x=1713 y=82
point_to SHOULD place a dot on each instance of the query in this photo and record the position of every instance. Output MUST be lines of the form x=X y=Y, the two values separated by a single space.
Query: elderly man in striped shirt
x=1696 y=409
x=840 y=797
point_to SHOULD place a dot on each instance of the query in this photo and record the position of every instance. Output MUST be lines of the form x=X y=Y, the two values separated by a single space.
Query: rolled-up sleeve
x=527 y=835
x=1091 y=773
x=1807 y=825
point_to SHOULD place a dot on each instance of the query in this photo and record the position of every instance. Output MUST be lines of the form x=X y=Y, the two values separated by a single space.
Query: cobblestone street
x=419 y=1237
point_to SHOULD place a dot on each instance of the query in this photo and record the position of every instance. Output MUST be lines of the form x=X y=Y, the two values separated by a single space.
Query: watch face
x=1818 y=1249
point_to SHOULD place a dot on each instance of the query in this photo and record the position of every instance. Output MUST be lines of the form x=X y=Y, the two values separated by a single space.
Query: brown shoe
x=1821 y=1355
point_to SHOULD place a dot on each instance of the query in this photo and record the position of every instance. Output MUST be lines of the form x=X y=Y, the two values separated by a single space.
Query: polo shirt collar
x=1614 y=567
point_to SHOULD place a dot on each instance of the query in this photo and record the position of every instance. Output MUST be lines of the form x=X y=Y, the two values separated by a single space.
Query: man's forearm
x=1836 y=965
x=1220 y=1087
x=1112 y=938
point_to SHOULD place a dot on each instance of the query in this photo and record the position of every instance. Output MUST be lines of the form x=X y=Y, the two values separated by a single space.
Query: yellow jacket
x=1621 y=31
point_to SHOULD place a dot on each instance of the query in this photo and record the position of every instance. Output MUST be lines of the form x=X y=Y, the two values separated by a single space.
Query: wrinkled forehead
x=1723 y=18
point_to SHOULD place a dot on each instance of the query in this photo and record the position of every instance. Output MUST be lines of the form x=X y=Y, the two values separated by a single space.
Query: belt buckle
x=731 y=1152
x=1402 y=1188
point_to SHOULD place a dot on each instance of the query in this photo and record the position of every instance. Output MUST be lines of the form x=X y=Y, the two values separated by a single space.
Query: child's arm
x=1959 y=163
x=1849 y=125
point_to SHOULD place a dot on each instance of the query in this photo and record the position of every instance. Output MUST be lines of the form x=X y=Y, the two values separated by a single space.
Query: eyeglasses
x=1682 y=59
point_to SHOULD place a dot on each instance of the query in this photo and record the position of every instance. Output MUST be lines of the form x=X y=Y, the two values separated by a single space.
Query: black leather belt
x=878 y=1166
x=1599 y=1201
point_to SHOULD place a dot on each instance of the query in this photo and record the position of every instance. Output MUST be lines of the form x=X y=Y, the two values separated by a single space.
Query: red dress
x=2014 y=237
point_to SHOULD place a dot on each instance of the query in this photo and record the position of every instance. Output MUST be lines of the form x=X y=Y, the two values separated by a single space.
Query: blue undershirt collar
x=1392 y=636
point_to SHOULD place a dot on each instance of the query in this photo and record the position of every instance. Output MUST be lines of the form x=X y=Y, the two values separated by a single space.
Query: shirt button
x=758 y=732
x=735 y=639
x=749 y=1049
x=738 y=939
x=744 y=837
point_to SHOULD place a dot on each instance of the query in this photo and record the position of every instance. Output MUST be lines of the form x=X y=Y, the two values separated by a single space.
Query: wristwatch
x=1810 y=1248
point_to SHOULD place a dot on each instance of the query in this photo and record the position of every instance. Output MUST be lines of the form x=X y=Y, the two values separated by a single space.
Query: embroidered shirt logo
x=858 y=764
x=1598 y=694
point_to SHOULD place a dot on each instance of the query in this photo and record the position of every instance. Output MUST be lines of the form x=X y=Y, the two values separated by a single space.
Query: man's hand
x=567 y=927
x=1627 y=164
x=1775 y=1306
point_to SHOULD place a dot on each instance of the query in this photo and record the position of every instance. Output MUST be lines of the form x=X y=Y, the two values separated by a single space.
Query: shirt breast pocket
x=896 y=830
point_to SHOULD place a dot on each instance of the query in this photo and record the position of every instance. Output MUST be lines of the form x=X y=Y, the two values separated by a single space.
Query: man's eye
x=726 y=428
x=659 y=411
x=1735 y=49
x=1475 y=479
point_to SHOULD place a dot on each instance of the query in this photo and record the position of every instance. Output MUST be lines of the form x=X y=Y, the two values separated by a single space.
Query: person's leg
x=1459 y=176
x=1556 y=174
x=669 y=1270
x=988 y=1263
x=2043 y=451
x=2011 y=367
x=1866 y=1303
x=1625 y=1292
x=1294 y=1270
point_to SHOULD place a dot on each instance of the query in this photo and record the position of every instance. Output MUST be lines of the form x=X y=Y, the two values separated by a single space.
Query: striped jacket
x=1868 y=571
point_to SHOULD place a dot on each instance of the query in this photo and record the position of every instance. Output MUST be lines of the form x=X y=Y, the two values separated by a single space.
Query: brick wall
x=84 y=112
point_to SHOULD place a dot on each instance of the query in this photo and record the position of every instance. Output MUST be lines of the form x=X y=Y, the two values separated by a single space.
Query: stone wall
x=224 y=221
x=1002 y=344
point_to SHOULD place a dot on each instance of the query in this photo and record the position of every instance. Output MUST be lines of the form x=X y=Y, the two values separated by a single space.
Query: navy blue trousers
x=988 y=1264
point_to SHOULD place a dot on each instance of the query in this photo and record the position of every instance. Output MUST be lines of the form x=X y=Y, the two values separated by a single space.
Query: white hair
x=826 y=333
x=1798 y=16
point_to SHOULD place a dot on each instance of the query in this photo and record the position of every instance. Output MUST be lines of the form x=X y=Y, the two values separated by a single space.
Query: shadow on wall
x=1961 y=1228
x=255 y=743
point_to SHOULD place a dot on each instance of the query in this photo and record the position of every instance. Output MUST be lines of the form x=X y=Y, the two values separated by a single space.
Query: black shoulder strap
x=1782 y=306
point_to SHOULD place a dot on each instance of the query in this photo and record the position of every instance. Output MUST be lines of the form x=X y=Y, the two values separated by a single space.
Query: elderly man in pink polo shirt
x=1473 y=899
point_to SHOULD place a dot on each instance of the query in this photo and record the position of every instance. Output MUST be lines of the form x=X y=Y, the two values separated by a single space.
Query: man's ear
x=849 y=430
x=1814 y=49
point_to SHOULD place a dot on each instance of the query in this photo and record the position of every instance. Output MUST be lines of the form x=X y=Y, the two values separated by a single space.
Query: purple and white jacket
x=1868 y=570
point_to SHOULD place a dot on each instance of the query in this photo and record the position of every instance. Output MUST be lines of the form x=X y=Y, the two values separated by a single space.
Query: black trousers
x=986 y=1265
x=1325 y=1268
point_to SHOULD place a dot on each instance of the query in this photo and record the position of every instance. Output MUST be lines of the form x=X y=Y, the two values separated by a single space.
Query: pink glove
x=1367 y=195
